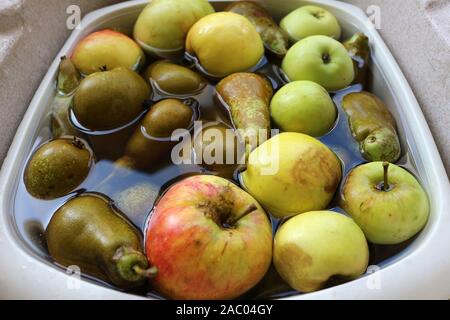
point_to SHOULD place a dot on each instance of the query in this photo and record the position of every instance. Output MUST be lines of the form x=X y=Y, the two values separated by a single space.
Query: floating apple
x=305 y=107
x=162 y=26
x=209 y=240
x=386 y=201
x=225 y=43
x=292 y=173
x=320 y=59
x=315 y=246
x=309 y=21
x=107 y=49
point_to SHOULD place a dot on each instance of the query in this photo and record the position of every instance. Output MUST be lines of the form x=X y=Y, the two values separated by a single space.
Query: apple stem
x=247 y=211
x=385 y=182
x=148 y=273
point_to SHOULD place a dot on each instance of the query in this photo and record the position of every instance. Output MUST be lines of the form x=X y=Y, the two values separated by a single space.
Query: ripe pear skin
x=144 y=148
x=248 y=96
x=313 y=246
x=359 y=50
x=275 y=39
x=292 y=173
x=386 y=217
x=110 y=99
x=372 y=126
x=174 y=79
x=57 y=167
x=88 y=233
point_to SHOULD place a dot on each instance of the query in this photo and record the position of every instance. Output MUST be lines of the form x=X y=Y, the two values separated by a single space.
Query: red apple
x=209 y=239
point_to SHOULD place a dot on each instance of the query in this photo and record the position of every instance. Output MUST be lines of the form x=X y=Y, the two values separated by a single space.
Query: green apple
x=386 y=201
x=292 y=173
x=305 y=107
x=320 y=59
x=309 y=21
x=314 y=246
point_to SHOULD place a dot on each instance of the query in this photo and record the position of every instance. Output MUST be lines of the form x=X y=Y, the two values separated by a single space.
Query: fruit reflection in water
x=358 y=48
x=87 y=232
x=110 y=99
x=292 y=173
x=57 y=167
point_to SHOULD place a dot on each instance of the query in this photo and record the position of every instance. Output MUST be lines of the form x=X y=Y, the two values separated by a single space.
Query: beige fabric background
x=416 y=31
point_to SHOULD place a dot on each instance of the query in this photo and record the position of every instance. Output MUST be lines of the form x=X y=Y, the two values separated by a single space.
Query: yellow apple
x=292 y=173
x=225 y=43
x=314 y=246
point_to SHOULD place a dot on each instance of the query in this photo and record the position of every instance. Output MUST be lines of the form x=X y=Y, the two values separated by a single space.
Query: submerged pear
x=110 y=99
x=247 y=96
x=372 y=126
x=359 y=50
x=68 y=76
x=174 y=79
x=151 y=140
x=275 y=39
x=89 y=233
x=57 y=167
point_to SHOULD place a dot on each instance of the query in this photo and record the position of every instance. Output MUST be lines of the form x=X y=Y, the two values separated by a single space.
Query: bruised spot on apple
x=292 y=173
x=386 y=201
x=314 y=247
x=209 y=239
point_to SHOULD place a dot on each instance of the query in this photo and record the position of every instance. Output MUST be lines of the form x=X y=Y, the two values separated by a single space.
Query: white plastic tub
x=420 y=271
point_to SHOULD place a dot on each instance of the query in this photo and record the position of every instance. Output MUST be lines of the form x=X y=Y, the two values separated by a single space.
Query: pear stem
x=247 y=211
x=385 y=181
x=148 y=273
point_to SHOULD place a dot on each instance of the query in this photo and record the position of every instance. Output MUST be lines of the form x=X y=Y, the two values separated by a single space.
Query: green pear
x=313 y=247
x=386 y=201
x=274 y=38
x=320 y=59
x=87 y=231
x=108 y=100
x=305 y=107
x=309 y=21
x=372 y=126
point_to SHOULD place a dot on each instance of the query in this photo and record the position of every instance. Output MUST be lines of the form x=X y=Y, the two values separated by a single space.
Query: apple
x=107 y=48
x=162 y=26
x=320 y=59
x=303 y=106
x=315 y=246
x=209 y=239
x=310 y=21
x=386 y=201
x=225 y=43
x=292 y=173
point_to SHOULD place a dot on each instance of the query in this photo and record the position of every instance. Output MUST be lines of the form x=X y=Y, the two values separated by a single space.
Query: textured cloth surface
x=416 y=31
